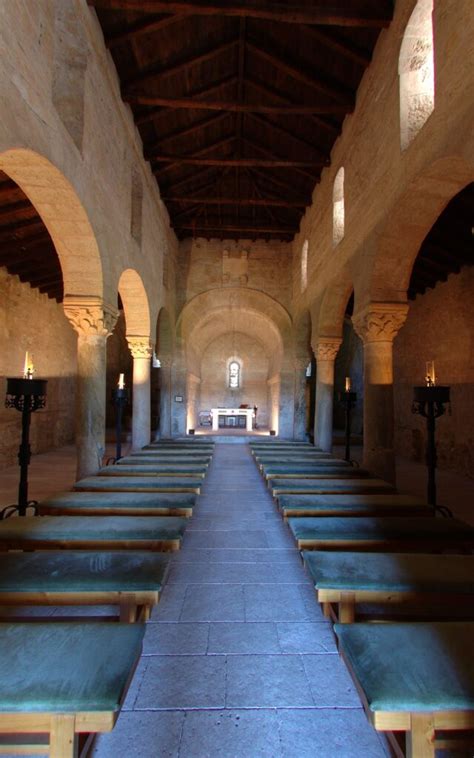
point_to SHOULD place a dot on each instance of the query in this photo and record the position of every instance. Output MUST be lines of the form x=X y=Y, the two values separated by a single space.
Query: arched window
x=304 y=266
x=416 y=72
x=338 y=208
x=234 y=375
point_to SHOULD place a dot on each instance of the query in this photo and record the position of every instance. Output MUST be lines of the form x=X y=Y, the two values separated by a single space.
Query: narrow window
x=304 y=266
x=416 y=72
x=338 y=208
x=234 y=375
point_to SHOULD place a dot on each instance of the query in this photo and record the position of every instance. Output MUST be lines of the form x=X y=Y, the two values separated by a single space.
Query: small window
x=338 y=208
x=416 y=72
x=234 y=375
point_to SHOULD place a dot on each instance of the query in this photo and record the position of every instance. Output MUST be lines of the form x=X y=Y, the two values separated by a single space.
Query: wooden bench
x=354 y=486
x=130 y=580
x=352 y=505
x=155 y=469
x=139 y=484
x=278 y=458
x=312 y=471
x=419 y=583
x=416 y=678
x=389 y=533
x=66 y=681
x=118 y=504
x=150 y=456
x=163 y=533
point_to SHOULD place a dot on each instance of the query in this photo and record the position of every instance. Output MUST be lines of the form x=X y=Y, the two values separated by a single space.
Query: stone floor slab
x=142 y=734
x=168 y=638
x=243 y=638
x=210 y=602
x=230 y=734
x=176 y=682
x=266 y=681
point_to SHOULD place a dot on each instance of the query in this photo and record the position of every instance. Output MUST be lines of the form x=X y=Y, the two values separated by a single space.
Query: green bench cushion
x=350 y=503
x=84 y=528
x=312 y=459
x=148 y=459
x=180 y=448
x=395 y=572
x=313 y=471
x=66 y=667
x=82 y=571
x=139 y=483
x=117 y=500
x=384 y=528
x=322 y=486
x=152 y=469
x=414 y=667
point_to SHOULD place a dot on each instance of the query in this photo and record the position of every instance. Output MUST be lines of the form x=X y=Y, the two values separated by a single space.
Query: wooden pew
x=312 y=471
x=293 y=486
x=417 y=582
x=139 y=484
x=154 y=469
x=163 y=533
x=352 y=505
x=389 y=533
x=152 y=457
x=118 y=504
x=416 y=678
x=130 y=580
x=64 y=680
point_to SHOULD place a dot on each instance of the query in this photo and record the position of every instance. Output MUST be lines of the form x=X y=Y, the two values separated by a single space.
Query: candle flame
x=430 y=376
x=348 y=383
x=28 y=369
x=121 y=382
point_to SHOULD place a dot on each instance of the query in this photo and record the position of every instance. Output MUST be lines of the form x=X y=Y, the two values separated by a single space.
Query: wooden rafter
x=300 y=166
x=19 y=225
x=151 y=115
x=175 y=161
x=239 y=228
x=148 y=26
x=20 y=205
x=184 y=132
x=286 y=134
x=238 y=162
x=151 y=73
x=243 y=201
x=342 y=47
x=291 y=14
x=189 y=103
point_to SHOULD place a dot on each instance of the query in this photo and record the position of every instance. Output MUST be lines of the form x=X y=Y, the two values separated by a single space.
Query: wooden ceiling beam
x=275 y=181
x=306 y=77
x=143 y=118
x=19 y=225
x=190 y=103
x=292 y=14
x=286 y=134
x=237 y=162
x=154 y=71
x=8 y=188
x=175 y=161
x=178 y=185
x=340 y=46
x=148 y=26
x=240 y=228
x=21 y=205
x=185 y=132
x=299 y=166
x=21 y=244
x=235 y=201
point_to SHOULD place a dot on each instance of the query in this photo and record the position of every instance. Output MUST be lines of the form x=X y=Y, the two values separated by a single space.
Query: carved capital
x=140 y=347
x=380 y=322
x=89 y=316
x=327 y=348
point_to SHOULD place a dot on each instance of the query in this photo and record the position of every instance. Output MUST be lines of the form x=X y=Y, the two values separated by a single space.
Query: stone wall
x=30 y=321
x=253 y=390
x=439 y=327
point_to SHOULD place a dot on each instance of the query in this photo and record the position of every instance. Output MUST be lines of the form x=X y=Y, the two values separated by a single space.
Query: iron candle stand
x=429 y=401
x=348 y=399
x=121 y=397
x=27 y=395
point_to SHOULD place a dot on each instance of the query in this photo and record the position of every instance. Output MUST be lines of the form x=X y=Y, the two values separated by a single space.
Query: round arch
x=64 y=217
x=399 y=240
x=135 y=303
x=333 y=306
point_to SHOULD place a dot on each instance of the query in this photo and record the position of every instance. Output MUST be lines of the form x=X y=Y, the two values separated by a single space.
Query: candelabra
x=429 y=401
x=120 y=397
x=27 y=395
x=348 y=399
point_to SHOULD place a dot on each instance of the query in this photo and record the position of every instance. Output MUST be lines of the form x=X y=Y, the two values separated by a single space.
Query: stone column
x=141 y=349
x=94 y=322
x=377 y=325
x=165 y=399
x=325 y=352
x=299 y=428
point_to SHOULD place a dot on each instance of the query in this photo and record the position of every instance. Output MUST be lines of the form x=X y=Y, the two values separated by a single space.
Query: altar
x=232 y=418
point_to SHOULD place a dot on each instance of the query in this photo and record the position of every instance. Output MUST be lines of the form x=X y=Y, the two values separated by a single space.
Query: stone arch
x=397 y=242
x=135 y=304
x=333 y=307
x=416 y=72
x=64 y=217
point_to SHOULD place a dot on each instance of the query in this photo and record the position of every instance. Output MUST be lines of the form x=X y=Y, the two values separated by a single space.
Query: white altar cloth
x=247 y=412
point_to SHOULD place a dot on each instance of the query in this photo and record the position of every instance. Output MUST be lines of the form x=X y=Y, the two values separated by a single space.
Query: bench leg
x=346 y=608
x=128 y=612
x=63 y=741
x=327 y=610
x=420 y=738
x=143 y=614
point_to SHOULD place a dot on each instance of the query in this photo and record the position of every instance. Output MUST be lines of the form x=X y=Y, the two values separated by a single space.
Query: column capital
x=327 y=348
x=90 y=316
x=380 y=322
x=140 y=347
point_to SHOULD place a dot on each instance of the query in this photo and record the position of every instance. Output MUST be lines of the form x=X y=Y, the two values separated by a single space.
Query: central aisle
x=238 y=659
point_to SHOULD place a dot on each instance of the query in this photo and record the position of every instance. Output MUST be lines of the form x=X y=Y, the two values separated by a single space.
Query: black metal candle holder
x=27 y=396
x=429 y=401
x=121 y=398
x=348 y=400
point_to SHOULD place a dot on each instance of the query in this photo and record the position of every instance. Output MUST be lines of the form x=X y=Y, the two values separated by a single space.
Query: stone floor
x=238 y=660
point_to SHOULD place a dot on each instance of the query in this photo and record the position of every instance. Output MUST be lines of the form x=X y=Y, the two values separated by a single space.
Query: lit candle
x=348 y=383
x=28 y=369
x=430 y=376
x=121 y=382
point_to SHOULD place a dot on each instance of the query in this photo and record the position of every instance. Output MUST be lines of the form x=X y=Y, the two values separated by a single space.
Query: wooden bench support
x=420 y=737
